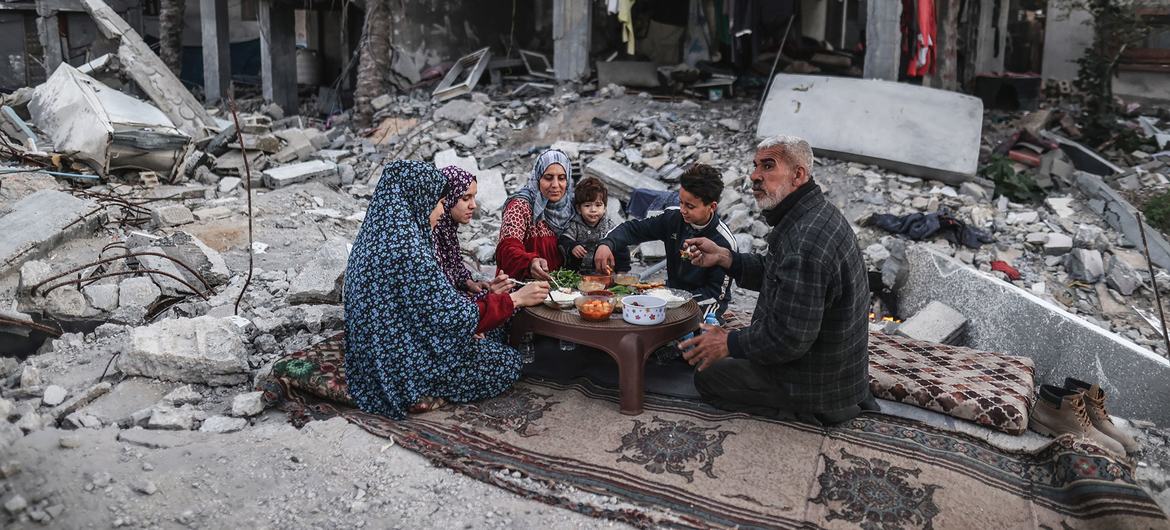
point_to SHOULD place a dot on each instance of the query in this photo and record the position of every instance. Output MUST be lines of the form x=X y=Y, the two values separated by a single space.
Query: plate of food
x=674 y=297
x=561 y=298
x=652 y=284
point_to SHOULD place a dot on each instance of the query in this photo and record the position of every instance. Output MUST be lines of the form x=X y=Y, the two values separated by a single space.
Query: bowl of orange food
x=594 y=307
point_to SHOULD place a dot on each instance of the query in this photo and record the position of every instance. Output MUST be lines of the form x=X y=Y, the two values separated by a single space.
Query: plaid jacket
x=809 y=329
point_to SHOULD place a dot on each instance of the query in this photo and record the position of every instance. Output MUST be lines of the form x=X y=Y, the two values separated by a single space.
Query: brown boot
x=1095 y=403
x=1058 y=411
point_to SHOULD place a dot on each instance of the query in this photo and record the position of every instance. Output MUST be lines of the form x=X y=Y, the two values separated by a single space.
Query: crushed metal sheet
x=469 y=68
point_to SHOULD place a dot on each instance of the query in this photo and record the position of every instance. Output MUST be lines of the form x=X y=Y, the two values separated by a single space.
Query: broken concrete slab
x=893 y=125
x=103 y=297
x=620 y=179
x=460 y=111
x=27 y=233
x=67 y=303
x=172 y=215
x=448 y=157
x=80 y=400
x=195 y=253
x=1085 y=265
x=105 y=128
x=223 y=424
x=204 y=350
x=150 y=73
x=1122 y=216
x=491 y=193
x=279 y=177
x=168 y=283
x=137 y=292
x=1123 y=277
x=248 y=404
x=1004 y=318
x=937 y=322
x=320 y=279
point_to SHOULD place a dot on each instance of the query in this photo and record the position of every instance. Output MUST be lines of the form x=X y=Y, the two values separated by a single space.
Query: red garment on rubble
x=522 y=241
x=1002 y=266
x=921 y=41
x=494 y=309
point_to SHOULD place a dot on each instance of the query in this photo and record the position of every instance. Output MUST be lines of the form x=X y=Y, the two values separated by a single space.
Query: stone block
x=167 y=418
x=103 y=297
x=1084 y=265
x=172 y=215
x=1002 y=317
x=279 y=177
x=53 y=396
x=223 y=424
x=32 y=273
x=652 y=250
x=460 y=111
x=67 y=303
x=448 y=157
x=229 y=184
x=491 y=194
x=248 y=404
x=196 y=254
x=937 y=322
x=319 y=280
x=894 y=125
x=137 y=292
x=620 y=179
x=204 y=350
x=1122 y=277
x=27 y=233
x=169 y=285
x=1057 y=244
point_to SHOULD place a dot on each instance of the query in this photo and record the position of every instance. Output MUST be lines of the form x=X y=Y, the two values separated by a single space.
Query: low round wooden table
x=629 y=345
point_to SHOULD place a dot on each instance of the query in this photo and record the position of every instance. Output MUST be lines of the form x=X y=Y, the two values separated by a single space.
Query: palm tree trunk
x=375 y=60
x=170 y=30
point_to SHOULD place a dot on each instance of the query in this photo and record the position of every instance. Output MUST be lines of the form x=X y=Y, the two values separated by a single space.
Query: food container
x=595 y=308
x=675 y=298
x=643 y=310
x=561 y=300
x=587 y=287
x=605 y=280
x=625 y=279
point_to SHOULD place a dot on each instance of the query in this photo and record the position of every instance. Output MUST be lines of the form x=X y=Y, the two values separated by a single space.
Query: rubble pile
x=154 y=299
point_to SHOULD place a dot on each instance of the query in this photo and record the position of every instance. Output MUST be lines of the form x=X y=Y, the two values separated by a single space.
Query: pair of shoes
x=1078 y=409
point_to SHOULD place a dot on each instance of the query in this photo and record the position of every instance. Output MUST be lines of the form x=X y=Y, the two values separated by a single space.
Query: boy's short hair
x=704 y=182
x=589 y=189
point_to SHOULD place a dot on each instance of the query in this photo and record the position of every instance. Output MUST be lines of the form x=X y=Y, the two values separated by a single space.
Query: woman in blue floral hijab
x=409 y=335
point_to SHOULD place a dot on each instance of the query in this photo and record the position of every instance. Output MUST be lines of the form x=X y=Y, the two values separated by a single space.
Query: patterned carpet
x=683 y=464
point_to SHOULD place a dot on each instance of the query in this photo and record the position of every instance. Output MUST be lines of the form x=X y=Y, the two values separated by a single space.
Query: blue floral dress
x=409 y=333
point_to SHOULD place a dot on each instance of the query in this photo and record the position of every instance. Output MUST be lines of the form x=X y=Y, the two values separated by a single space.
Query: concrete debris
x=1123 y=277
x=247 y=405
x=460 y=111
x=27 y=233
x=620 y=179
x=223 y=424
x=53 y=396
x=137 y=292
x=184 y=418
x=172 y=215
x=279 y=177
x=320 y=279
x=937 y=322
x=1084 y=265
x=202 y=350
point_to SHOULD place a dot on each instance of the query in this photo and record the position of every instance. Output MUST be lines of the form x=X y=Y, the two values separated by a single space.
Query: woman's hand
x=475 y=287
x=500 y=284
x=539 y=269
x=579 y=252
x=532 y=294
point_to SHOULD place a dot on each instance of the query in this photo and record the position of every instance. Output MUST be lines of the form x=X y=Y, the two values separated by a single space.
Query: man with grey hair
x=805 y=354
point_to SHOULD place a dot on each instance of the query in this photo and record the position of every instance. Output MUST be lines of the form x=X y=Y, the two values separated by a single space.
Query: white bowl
x=649 y=311
x=677 y=298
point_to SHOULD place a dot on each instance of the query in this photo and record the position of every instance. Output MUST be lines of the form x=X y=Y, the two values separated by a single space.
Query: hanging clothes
x=625 y=15
x=921 y=29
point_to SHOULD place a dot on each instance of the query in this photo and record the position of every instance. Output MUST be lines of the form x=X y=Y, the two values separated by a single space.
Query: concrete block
x=103 y=297
x=652 y=250
x=319 y=280
x=1084 y=265
x=27 y=233
x=223 y=424
x=1002 y=317
x=460 y=111
x=491 y=193
x=137 y=292
x=248 y=404
x=1056 y=244
x=620 y=179
x=1122 y=216
x=172 y=215
x=448 y=157
x=229 y=184
x=203 y=350
x=279 y=177
x=937 y=322
x=196 y=254
x=893 y=125
x=169 y=285
x=67 y=303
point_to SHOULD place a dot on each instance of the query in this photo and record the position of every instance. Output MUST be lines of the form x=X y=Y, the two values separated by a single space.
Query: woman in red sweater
x=535 y=217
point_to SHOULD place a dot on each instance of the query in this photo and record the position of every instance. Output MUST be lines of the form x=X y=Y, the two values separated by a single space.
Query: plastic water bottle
x=711 y=320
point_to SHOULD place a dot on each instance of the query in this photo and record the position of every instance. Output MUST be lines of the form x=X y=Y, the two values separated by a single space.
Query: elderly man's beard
x=769 y=200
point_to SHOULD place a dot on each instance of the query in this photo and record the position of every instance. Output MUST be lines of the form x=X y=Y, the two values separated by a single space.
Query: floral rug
x=683 y=464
